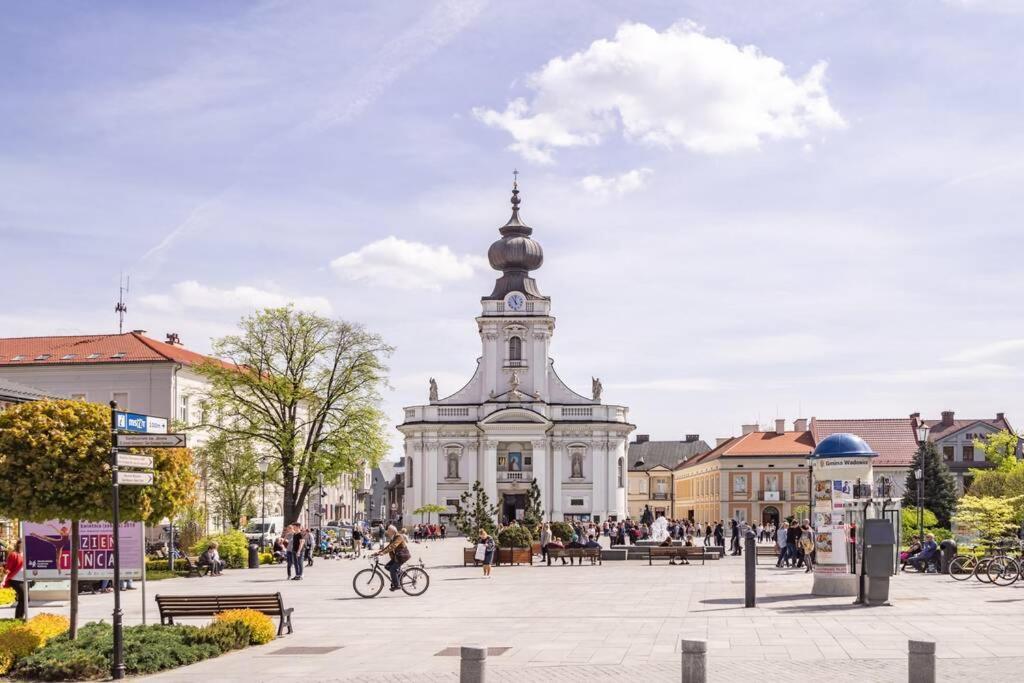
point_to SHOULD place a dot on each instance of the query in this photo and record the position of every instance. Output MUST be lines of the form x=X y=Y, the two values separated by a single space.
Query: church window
x=515 y=348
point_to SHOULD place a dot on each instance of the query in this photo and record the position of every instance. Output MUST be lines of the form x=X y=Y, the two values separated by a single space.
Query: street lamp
x=922 y=439
x=264 y=464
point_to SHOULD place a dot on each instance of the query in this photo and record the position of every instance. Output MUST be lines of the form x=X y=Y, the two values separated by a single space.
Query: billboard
x=48 y=550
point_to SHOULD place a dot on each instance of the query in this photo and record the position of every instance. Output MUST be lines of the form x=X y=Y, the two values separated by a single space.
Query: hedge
x=515 y=537
x=233 y=547
x=7 y=596
x=21 y=638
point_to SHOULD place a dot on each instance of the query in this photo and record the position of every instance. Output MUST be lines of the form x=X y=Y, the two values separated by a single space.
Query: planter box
x=515 y=555
x=536 y=548
x=469 y=556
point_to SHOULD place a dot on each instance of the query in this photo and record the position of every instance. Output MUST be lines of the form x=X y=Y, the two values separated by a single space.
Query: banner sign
x=48 y=550
x=143 y=424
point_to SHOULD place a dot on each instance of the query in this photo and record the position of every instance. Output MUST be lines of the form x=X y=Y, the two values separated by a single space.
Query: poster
x=823 y=490
x=48 y=550
x=830 y=545
x=842 y=489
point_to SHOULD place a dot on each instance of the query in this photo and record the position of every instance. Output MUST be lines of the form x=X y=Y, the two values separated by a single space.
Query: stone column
x=469 y=456
x=490 y=470
x=598 y=475
x=556 y=480
x=430 y=473
x=540 y=473
x=612 y=466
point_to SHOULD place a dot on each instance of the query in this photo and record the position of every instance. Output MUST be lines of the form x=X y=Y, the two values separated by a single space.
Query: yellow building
x=758 y=477
x=651 y=465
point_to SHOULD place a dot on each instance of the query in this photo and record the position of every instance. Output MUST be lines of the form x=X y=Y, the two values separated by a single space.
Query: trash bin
x=947 y=551
x=254 y=556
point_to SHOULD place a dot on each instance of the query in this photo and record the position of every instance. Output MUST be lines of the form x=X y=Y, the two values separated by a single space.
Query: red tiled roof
x=937 y=430
x=757 y=444
x=893 y=439
x=130 y=347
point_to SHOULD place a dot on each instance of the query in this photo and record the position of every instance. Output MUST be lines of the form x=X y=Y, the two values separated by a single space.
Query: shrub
x=260 y=624
x=7 y=596
x=515 y=537
x=266 y=558
x=226 y=635
x=233 y=547
x=562 y=531
x=48 y=626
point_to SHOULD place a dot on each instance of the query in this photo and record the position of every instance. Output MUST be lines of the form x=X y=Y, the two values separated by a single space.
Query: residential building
x=382 y=475
x=515 y=420
x=954 y=438
x=894 y=439
x=759 y=476
x=650 y=472
x=396 y=496
x=13 y=393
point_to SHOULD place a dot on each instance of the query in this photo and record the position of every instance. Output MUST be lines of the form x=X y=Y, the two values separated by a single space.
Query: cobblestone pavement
x=619 y=621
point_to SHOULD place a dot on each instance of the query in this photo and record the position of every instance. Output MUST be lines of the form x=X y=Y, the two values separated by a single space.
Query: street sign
x=128 y=460
x=127 y=478
x=150 y=441
x=145 y=424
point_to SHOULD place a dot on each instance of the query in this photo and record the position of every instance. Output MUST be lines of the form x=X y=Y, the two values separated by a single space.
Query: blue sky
x=748 y=210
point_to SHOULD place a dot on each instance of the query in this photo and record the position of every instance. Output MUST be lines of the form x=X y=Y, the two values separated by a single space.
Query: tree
x=1000 y=449
x=233 y=476
x=1002 y=483
x=475 y=512
x=909 y=525
x=939 y=487
x=533 y=516
x=429 y=509
x=55 y=464
x=992 y=517
x=306 y=389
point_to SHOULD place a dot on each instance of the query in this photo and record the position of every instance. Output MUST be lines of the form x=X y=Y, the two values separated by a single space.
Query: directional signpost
x=145 y=431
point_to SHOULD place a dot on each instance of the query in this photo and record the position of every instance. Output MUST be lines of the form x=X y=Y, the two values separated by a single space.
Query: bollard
x=695 y=668
x=473 y=667
x=749 y=547
x=921 y=661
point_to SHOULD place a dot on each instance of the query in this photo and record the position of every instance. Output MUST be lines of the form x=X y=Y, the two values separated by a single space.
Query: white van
x=268 y=528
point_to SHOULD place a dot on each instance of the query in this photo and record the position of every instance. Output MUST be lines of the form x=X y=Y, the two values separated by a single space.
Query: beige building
x=651 y=464
x=760 y=476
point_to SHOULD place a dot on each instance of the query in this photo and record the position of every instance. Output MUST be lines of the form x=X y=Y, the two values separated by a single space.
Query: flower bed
x=21 y=638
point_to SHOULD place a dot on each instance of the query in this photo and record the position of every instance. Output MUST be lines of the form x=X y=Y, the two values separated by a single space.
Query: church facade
x=516 y=421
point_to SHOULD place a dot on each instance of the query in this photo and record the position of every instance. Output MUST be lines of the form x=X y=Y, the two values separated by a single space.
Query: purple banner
x=48 y=550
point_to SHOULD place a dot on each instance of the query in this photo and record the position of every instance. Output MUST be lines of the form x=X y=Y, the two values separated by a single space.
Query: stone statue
x=596 y=388
x=433 y=389
x=515 y=380
x=659 y=529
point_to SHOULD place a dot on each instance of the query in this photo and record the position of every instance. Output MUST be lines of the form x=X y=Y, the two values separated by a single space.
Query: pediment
x=514 y=415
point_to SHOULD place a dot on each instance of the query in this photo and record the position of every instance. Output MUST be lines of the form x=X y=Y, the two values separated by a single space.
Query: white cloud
x=988 y=351
x=617 y=185
x=400 y=264
x=677 y=87
x=193 y=295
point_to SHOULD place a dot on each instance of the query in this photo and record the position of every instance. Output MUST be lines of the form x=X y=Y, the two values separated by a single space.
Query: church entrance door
x=512 y=506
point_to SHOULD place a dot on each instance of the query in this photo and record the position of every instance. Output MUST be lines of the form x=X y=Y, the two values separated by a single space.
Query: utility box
x=879 y=556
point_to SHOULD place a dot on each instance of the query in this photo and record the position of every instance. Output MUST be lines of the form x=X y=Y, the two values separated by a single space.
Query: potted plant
x=515 y=545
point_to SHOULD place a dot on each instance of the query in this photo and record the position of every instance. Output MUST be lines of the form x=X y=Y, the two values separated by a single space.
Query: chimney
x=747 y=429
x=643 y=438
x=780 y=426
x=720 y=440
x=947 y=418
x=1001 y=416
x=800 y=424
x=172 y=339
x=915 y=420
x=691 y=438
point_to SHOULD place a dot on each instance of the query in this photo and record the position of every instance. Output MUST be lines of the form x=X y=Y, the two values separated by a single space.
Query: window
x=121 y=398
x=18 y=357
x=67 y=356
x=947 y=453
x=515 y=348
x=78 y=397
x=93 y=356
x=183 y=409
x=452 y=502
x=576 y=502
x=119 y=354
x=968 y=453
x=42 y=356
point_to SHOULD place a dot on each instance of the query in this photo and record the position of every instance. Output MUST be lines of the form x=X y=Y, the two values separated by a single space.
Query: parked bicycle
x=993 y=566
x=368 y=583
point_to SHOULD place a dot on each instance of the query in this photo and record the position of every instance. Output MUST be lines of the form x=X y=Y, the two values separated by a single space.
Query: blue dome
x=843 y=445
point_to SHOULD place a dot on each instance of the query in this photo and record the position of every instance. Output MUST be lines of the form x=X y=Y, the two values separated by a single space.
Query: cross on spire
x=515 y=178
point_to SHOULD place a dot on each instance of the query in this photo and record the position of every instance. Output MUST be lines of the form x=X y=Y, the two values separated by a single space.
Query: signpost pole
x=117 y=665
x=142 y=550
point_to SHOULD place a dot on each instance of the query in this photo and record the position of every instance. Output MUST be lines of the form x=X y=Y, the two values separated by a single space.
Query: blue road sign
x=146 y=424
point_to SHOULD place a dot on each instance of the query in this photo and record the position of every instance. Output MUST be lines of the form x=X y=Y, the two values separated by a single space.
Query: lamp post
x=264 y=464
x=922 y=438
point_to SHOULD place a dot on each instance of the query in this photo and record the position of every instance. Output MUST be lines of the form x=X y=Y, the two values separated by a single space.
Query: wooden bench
x=191 y=606
x=193 y=566
x=771 y=551
x=573 y=553
x=677 y=552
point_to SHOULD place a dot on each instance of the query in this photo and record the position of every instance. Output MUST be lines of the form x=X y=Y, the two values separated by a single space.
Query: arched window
x=515 y=348
x=620 y=473
x=408 y=473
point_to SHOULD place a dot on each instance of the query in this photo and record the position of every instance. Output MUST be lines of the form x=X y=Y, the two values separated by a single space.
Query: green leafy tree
x=533 y=516
x=1002 y=483
x=475 y=512
x=992 y=517
x=1000 y=449
x=304 y=388
x=428 y=510
x=939 y=486
x=55 y=464
x=233 y=476
x=909 y=525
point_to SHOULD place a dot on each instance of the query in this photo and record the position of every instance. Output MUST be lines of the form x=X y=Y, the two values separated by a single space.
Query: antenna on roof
x=121 y=307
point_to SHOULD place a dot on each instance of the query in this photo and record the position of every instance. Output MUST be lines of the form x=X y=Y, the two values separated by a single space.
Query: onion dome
x=515 y=254
x=843 y=445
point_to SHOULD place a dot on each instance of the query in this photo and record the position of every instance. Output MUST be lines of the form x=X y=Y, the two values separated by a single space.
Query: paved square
x=619 y=621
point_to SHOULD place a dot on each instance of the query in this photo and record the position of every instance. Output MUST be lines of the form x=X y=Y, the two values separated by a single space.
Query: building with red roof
x=894 y=439
x=955 y=439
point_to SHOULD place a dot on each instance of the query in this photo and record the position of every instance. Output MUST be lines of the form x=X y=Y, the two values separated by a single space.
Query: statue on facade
x=596 y=388
x=514 y=381
x=433 y=389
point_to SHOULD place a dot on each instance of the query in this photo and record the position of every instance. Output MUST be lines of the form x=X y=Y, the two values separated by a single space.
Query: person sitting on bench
x=212 y=558
x=929 y=550
x=556 y=542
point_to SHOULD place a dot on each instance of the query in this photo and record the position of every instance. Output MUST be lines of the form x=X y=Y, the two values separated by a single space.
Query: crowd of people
x=429 y=532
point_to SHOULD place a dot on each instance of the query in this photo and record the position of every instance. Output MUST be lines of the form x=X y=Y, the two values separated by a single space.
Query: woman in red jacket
x=14 y=577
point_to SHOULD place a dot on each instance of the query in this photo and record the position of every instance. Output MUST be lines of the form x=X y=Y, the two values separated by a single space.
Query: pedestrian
x=357 y=541
x=489 y=551
x=545 y=538
x=792 y=540
x=14 y=578
x=780 y=543
x=807 y=544
x=707 y=534
x=296 y=549
x=307 y=546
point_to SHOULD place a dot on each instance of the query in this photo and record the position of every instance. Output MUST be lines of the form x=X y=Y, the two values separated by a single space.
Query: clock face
x=515 y=302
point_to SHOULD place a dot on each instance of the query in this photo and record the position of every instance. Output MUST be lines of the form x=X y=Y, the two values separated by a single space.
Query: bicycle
x=368 y=583
x=1004 y=569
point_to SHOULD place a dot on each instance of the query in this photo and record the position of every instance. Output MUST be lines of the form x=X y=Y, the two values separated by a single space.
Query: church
x=516 y=421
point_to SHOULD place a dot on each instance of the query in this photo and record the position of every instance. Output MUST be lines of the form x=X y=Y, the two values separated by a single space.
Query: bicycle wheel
x=1003 y=571
x=981 y=570
x=962 y=567
x=368 y=583
x=415 y=581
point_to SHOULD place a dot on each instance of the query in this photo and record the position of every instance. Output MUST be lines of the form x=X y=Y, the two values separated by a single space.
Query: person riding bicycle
x=398 y=550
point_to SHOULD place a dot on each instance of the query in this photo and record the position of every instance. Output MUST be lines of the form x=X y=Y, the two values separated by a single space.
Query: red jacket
x=15 y=563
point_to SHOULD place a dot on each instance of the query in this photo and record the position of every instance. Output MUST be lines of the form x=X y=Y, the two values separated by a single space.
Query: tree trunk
x=73 y=630
x=288 y=483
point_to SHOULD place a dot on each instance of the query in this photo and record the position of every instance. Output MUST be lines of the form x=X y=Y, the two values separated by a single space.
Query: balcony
x=659 y=496
x=771 y=496
x=515 y=363
x=524 y=476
